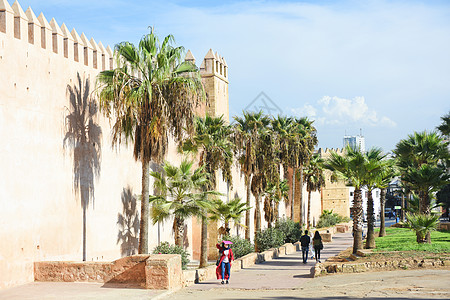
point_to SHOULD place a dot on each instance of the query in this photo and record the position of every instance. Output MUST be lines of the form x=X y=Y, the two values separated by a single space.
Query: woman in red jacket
x=226 y=257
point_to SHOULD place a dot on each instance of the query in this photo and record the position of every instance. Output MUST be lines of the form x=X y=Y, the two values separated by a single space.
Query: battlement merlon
x=25 y=26
x=214 y=65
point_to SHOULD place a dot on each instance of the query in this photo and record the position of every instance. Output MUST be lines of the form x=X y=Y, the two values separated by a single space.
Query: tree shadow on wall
x=83 y=136
x=128 y=223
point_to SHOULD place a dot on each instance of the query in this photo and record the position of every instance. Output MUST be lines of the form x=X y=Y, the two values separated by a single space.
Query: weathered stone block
x=290 y=248
x=327 y=237
x=248 y=260
x=163 y=272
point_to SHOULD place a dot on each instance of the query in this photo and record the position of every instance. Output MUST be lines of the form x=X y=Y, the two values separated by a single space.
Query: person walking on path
x=305 y=240
x=317 y=244
x=223 y=269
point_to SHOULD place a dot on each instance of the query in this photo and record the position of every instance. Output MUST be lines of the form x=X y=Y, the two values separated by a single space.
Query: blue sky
x=382 y=66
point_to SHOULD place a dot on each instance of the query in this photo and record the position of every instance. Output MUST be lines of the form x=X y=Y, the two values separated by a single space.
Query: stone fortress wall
x=56 y=182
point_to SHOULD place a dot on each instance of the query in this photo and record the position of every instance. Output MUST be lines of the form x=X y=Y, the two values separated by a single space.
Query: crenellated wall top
x=49 y=36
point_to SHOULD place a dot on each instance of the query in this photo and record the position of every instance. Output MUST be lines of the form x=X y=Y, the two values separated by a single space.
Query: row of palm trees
x=152 y=95
x=422 y=163
x=371 y=170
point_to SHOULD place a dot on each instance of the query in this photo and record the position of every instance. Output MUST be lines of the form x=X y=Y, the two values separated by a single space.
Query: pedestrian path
x=286 y=272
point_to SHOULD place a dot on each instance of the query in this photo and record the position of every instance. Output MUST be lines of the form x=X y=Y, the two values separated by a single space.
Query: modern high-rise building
x=356 y=141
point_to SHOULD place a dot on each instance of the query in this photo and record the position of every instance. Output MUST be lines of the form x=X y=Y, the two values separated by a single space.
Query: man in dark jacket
x=304 y=241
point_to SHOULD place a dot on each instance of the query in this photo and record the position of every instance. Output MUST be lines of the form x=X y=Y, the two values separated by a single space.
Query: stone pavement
x=75 y=291
x=396 y=285
x=285 y=272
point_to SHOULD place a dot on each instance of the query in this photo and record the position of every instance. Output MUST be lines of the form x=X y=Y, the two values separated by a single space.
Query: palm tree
x=374 y=163
x=301 y=146
x=419 y=158
x=382 y=180
x=350 y=167
x=282 y=127
x=181 y=195
x=422 y=224
x=274 y=194
x=266 y=168
x=246 y=138
x=414 y=203
x=426 y=179
x=228 y=211
x=444 y=128
x=149 y=96
x=212 y=139
x=314 y=179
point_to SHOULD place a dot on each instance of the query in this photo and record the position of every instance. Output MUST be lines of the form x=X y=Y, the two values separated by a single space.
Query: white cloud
x=341 y=111
x=307 y=110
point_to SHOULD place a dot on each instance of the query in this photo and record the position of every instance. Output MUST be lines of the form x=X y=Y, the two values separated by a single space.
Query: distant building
x=357 y=141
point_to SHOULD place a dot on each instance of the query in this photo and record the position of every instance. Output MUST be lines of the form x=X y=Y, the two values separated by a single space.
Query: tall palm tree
x=150 y=95
x=374 y=163
x=301 y=146
x=382 y=180
x=282 y=127
x=212 y=139
x=246 y=138
x=350 y=167
x=315 y=180
x=182 y=193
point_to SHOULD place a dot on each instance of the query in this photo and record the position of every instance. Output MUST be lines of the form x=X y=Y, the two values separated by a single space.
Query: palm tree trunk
x=309 y=209
x=179 y=231
x=258 y=214
x=204 y=243
x=293 y=194
x=300 y=183
x=257 y=220
x=143 y=226
x=370 y=241
x=382 y=206
x=402 y=212
x=425 y=209
x=247 y=213
x=357 y=220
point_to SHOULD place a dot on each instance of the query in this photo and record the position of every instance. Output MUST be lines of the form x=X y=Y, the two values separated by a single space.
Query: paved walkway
x=286 y=272
x=391 y=285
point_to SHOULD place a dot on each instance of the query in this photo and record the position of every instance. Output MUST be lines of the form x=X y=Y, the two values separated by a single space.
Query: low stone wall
x=191 y=277
x=321 y=269
x=160 y=271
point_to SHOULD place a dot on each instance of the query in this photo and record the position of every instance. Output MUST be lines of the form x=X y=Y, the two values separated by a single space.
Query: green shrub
x=291 y=230
x=269 y=238
x=422 y=224
x=328 y=219
x=240 y=245
x=166 y=248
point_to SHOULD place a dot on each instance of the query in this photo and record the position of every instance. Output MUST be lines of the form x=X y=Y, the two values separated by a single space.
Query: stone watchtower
x=214 y=72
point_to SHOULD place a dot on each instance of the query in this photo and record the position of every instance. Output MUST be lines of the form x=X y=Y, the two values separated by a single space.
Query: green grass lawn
x=403 y=239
